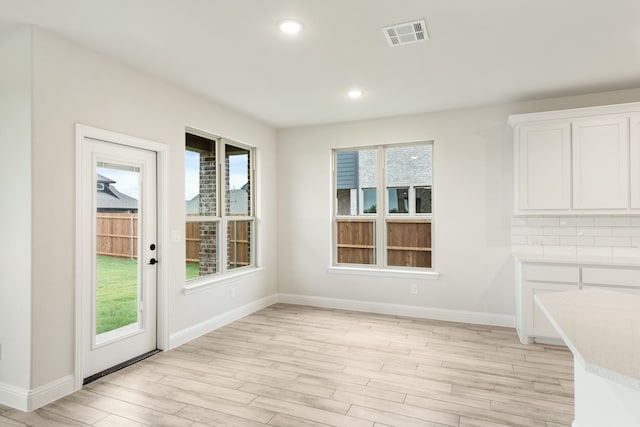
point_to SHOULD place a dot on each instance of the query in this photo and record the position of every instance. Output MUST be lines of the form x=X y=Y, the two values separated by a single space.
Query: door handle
x=153 y=261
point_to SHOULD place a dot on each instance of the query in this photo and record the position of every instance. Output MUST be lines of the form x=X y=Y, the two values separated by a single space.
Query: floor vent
x=406 y=33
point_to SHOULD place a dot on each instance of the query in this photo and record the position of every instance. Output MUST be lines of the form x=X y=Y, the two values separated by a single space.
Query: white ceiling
x=480 y=51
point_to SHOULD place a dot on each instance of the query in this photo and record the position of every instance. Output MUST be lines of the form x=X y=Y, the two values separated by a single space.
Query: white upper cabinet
x=634 y=157
x=544 y=163
x=580 y=161
x=600 y=163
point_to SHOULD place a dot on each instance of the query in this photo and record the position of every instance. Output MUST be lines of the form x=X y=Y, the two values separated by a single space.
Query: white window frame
x=222 y=219
x=381 y=217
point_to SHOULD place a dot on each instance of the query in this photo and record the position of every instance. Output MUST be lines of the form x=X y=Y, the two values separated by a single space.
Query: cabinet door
x=635 y=291
x=634 y=164
x=544 y=166
x=537 y=323
x=600 y=163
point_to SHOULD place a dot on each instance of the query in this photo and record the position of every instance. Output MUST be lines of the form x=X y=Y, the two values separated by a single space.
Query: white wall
x=472 y=207
x=74 y=85
x=71 y=84
x=15 y=214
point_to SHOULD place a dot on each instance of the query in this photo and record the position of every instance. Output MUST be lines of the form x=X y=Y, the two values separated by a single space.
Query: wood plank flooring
x=289 y=366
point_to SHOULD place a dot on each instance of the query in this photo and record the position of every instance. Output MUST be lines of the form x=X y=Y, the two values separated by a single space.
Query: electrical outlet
x=233 y=293
x=414 y=289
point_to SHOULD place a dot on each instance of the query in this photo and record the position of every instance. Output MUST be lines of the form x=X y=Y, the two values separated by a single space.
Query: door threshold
x=119 y=366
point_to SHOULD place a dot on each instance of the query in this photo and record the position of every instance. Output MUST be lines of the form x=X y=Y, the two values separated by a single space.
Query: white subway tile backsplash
x=595 y=231
x=525 y=231
x=626 y=252
x=543 y=221
x=594 y=251
x=560 y=231
x=576 y=235
x=543 y=240
x=613 y=241
x=612 y=221
x=576 y=241
x=560 y=250
x=626 y=231
x=527 y=249
x=576 y=221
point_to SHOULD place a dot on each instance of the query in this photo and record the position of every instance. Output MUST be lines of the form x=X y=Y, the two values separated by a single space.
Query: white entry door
x=118 y=214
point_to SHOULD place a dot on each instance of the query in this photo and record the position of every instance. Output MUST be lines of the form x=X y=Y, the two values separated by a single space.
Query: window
x=383 y=212
x=220 y=221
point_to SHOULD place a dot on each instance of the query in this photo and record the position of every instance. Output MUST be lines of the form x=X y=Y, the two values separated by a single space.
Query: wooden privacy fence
x=408 y=242
x=117 y=234
x=192 y=237
x=238 y=236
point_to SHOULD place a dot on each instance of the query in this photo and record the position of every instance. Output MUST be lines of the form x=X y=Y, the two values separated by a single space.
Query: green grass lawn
x=193 y=270
x=116 y=293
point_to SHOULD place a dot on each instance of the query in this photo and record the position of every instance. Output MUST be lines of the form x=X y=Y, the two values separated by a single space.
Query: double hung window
x=220 y=221
x=383 y=214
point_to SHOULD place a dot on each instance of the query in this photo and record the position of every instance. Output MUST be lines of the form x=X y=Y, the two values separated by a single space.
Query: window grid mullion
x=380 y=236
x=222 y=204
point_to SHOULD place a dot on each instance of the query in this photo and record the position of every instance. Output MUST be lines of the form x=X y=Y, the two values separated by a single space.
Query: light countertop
x=602 y=329
x=580 y=260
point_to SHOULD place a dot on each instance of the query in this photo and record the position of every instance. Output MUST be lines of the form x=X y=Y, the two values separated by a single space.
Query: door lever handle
x=153 y=261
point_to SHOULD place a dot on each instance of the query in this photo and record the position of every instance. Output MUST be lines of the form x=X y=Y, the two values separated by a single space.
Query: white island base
x=602 y=329
x=600 y=402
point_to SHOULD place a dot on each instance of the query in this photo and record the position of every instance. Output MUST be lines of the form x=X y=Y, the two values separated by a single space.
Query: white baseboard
x=29 y=400
x=14 y=397
x=50 y=392
x=476 y=317
x=195 y=331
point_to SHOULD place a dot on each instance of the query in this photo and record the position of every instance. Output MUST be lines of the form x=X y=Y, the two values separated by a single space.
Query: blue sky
x=127 y=182
x=237 y=178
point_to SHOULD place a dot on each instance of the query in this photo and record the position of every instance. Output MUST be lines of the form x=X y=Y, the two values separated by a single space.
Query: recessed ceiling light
x=290 y=26
x=354 y=93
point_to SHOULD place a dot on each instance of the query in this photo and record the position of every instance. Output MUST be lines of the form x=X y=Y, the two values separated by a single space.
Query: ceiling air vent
x=408 y=32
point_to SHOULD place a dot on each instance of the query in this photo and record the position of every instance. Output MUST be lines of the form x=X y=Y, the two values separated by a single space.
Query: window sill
x=379 y=272
x=198 y=285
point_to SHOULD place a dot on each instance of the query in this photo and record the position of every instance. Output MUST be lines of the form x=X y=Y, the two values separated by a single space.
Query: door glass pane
x=117 y=280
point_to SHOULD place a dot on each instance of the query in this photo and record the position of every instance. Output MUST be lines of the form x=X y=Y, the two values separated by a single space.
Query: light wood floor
x=292 y=365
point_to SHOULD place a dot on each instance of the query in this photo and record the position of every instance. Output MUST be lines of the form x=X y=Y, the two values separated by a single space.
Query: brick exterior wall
x=398 y=174
x=207 y=206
